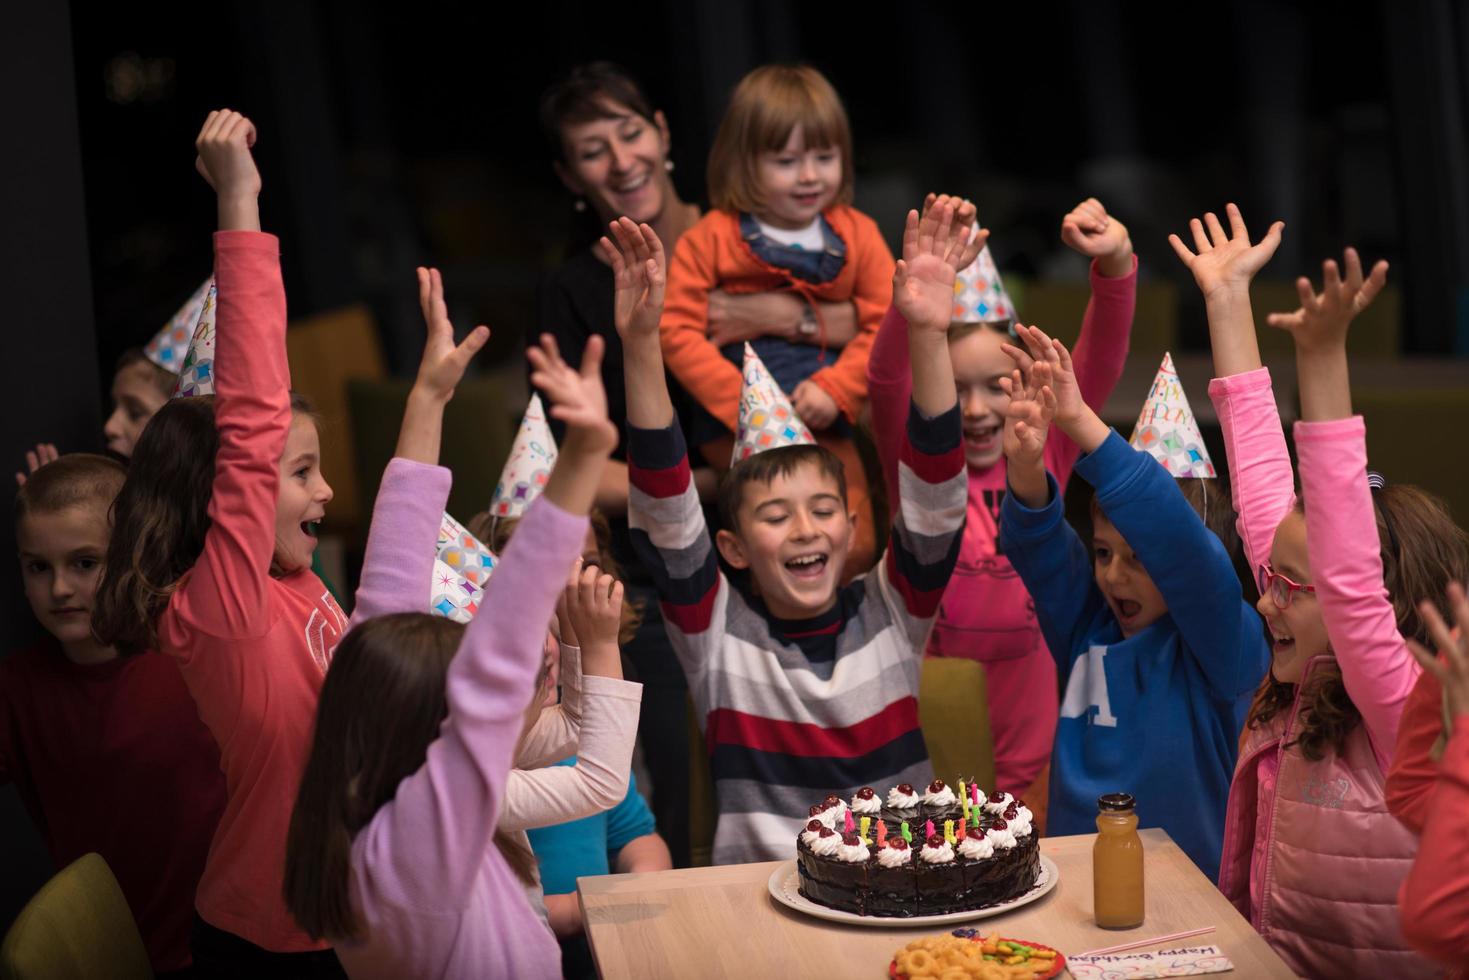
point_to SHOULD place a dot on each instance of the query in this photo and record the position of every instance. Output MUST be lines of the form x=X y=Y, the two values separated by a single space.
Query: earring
x=668 y=165
x=579 y=205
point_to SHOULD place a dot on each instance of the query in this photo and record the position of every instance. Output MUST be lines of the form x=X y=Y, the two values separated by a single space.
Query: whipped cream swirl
x=937 y=854
x=903 y=801
x=976 y=847
x=893 y=856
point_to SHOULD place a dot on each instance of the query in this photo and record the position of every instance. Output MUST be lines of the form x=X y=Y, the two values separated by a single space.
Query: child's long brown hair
x=160 y=518
x=1423 y=550
x=381 y=706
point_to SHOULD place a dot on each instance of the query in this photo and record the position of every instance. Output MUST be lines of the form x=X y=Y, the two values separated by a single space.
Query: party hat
x=169 y=345
x=452 y=595
x=767 y=420
x=1166 y=428
x=979 y=294
x=529 y=465
x=196 y=373
x=464 y=553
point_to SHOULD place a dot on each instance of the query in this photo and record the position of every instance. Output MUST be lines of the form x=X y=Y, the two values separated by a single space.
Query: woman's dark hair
x=160 y=518
x=1423 y=550
x=382 y=704
x=585 y=94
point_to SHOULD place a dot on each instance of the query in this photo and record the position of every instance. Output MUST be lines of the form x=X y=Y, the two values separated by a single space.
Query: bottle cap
x=1116 y=801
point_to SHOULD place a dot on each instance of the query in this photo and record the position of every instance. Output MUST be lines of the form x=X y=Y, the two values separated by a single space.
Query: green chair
x=477 y=434
x=953 y=708
x=77 y=927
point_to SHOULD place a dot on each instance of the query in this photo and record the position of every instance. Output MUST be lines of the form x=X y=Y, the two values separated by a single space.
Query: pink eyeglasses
x=1281 y=590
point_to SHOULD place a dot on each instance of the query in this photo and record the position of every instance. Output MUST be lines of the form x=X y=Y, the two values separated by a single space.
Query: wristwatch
x=808 y=327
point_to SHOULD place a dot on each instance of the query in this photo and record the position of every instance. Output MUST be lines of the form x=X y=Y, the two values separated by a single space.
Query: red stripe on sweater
x=725 y=726
x=695 y=617
x=934 y=469
x=670 y=482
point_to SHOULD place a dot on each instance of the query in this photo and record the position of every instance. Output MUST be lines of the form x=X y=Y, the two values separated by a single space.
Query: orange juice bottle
x=1117 y=864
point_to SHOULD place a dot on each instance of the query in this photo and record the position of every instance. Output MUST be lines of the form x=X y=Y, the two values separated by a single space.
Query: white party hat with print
x=464 y=553
x=1167 y=430
x=169 y=346
x=452 y=595
x=196 y=373
x=529 y=465
x=979 y=293
x=767 y=420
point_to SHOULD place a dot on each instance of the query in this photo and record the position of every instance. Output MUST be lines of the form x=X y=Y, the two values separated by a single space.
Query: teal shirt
x=578 y=848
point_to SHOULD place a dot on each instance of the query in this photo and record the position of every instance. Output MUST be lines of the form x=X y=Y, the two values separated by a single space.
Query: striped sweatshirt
x=794 y=710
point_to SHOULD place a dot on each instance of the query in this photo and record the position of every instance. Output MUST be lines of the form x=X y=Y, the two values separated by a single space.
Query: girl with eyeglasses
x=1311 y=854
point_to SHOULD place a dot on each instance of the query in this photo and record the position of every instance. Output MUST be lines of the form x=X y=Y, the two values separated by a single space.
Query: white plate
x=785 y=885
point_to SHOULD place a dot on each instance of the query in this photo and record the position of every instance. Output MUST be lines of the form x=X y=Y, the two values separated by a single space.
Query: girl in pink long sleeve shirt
x=986 y=614
x=1311 y=853
x=213 y=540
x=394 y=852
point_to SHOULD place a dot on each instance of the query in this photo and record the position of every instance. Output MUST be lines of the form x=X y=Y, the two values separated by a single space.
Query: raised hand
x=639 y=273
x=594 y=606
x=1225 y=262
x=935 y=248
x=1028 y=417
x=1042 y=351
x=1322 y=319
x=443 y=363
x=1090 y=230
x=225 y=161
x=36 y=458
x=816 y=408
x=1453 y=671
x=578 y=397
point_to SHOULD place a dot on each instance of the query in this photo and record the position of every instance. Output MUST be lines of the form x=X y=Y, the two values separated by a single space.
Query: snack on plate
x=917 y=852
x=966 y=955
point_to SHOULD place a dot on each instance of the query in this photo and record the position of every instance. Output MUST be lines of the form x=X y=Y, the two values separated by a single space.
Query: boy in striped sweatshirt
x=802 y=687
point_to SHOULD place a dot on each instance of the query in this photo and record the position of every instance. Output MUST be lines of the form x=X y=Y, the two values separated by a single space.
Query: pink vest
x=1334 y=860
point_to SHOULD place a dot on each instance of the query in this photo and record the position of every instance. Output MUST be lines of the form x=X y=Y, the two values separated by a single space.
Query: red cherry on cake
x=897 y=843
x=1010 y=812
x=817 y=810
x=866 y=793
x=850 y=839
x=937 y=786
x=815 y=826
x=905 y=789
x=998 y=824
x=826 y=831
x=936 y=840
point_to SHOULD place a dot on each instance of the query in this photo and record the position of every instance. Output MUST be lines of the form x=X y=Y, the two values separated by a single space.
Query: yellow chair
x=1376 y=333
x=324 y=352
x=703 y=806
x=1059 y=307
x=1409 y=439
x=77 y=927
x=953 y=708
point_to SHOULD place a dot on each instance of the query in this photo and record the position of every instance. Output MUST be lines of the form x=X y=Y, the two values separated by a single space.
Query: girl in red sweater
x=780 y=186
x=210 y=563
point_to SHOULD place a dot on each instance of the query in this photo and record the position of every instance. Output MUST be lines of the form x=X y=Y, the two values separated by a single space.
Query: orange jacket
x=714 y=255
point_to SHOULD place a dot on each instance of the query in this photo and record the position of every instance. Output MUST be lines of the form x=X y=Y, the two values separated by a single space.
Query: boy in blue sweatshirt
x=1158 y=651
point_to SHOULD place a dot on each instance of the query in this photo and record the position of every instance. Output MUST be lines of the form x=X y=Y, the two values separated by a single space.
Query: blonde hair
x=767 y=105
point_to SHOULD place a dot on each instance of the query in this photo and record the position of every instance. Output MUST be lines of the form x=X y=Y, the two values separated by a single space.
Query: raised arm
x=698 y=365
x=398 y=563
x=1261 y=481
x=667 y=522
x=431 y=839
x=227 y=593
x=1341 y=523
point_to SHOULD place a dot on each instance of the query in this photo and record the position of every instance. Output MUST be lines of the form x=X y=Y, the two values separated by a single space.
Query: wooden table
x=722 y=922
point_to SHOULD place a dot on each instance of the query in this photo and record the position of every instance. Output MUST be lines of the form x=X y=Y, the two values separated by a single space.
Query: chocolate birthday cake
x=917 y=854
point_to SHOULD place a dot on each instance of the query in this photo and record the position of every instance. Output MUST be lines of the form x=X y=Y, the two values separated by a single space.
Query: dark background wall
x=393 y=134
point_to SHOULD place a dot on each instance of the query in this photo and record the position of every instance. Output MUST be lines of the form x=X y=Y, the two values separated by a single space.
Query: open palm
x=935 y=248
x=639 y=271
x=1220 y=260
x=1322 y=318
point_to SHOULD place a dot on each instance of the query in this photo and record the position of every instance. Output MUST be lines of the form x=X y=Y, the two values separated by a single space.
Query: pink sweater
x=1435 y=896
x=1305 y=831
x=435 y=897
x=253 y=649
x=987 y=615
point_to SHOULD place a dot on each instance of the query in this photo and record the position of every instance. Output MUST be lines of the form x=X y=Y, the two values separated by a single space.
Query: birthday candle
x=974 y=818
x=866 y=822
x=907 y=834
x=959 y=831
x=963 y=802
x=882 y=833
x=847 y=820
x=974 y=794
x=949 y=831
x=927 y=829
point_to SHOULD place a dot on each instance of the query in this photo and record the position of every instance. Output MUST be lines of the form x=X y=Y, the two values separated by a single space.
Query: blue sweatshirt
x=1159 y=714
